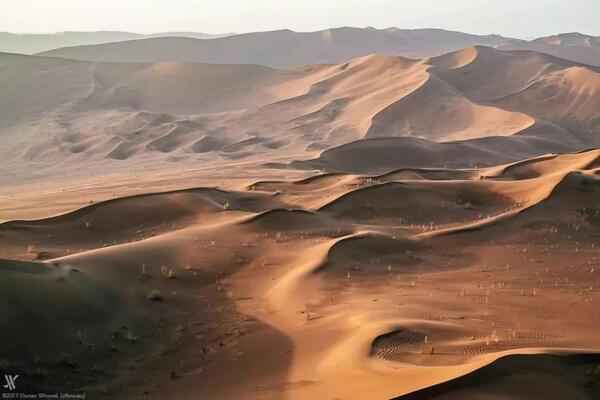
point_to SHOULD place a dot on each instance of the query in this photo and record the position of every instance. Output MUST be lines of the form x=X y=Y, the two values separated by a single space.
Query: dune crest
x=412 y=283
x=166 y=112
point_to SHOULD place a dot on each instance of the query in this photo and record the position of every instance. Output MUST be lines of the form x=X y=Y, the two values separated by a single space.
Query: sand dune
x=420 y=203
x=117 y=111
x=384 y=154
x=530 y=375
x=150 y=114
x=163 y=88
x=157 y=114
x=457 y=117
x=417 y=283
x=376 y=226
x=89 y=311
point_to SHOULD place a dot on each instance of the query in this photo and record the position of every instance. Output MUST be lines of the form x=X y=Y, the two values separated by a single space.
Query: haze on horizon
x=544 y=17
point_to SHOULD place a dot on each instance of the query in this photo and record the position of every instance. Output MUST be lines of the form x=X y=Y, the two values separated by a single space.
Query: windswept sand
x=412 y=284
x=75 y=119
x=384 y=227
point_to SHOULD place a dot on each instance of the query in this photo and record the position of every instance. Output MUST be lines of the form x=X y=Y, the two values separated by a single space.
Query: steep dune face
x=456 y=116
x=380 y=96
x=486 y=74
x=506 y=81
x=345 y=97
x=566 y=97
x=422 y=203
x=475 y=94
x=521 y=373
x=544 y=87
x=468 y=92
x=164 y=112
x=384 y=154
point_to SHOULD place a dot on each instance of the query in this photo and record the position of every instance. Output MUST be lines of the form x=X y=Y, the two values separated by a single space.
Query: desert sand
x=490 y=106
x=380 y=228
x=413 y=282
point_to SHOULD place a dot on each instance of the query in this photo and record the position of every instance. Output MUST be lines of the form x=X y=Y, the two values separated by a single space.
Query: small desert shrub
x=130 y=337
x=168 y=273
x=155 y=295
x=144 y=272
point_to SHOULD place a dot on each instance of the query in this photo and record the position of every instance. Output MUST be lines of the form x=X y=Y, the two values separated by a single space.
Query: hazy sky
x=522 y=18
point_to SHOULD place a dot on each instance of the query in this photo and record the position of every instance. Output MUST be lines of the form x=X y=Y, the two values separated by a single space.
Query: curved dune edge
x=529 y=182
x=110 y=115
x=354 y=354
x=300 y=259
x=490 y=360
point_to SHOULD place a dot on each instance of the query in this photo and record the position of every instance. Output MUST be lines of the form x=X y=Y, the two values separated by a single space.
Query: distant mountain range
x=36 y=43
x=283 y=48
x=286 y=48
x=570 y=46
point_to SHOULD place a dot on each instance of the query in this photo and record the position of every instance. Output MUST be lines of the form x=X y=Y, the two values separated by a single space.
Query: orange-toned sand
x=336 y=286
x=103 y=117
x=381 y=228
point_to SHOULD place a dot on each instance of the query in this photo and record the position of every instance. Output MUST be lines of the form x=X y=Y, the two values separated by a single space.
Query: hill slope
x=29 y=43
x=287 y=48
x=571 y=46
x=283 y=48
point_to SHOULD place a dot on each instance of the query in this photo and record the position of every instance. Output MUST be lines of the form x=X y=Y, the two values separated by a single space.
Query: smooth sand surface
x=381 y=228
x=74 y=119
x=417 y=283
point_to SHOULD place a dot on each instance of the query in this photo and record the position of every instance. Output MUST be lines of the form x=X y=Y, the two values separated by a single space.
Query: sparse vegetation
x=155 y=295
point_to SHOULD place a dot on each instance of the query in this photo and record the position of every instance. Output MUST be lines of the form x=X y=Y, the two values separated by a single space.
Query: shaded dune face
x=416 y=283
x=456 y=116
x=128 y=219
x=512 y=376
x=419 y=203
x=379 y=155
x=490 y=107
